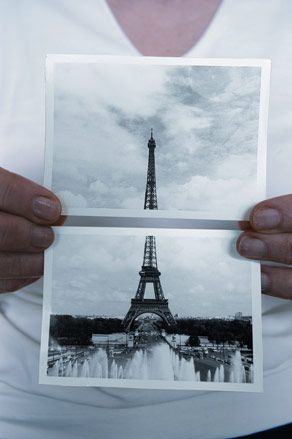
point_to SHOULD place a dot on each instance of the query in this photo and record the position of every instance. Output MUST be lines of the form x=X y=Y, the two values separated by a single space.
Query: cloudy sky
x=205 y=122
x=99 y=274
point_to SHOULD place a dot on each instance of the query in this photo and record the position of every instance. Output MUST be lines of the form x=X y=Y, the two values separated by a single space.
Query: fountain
x=75 y=369
x=216 y=375
x=187 y=370
x=68 y=370
x=85 y=368
x=158 y=362
x=251 y=373
x=54 y=371
x=113 y=370
x=238 y=370
x=135 y=367
x=120 y=373
x=221 y=373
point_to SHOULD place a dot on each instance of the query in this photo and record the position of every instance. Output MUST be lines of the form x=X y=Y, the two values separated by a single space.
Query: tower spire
x=150 y=201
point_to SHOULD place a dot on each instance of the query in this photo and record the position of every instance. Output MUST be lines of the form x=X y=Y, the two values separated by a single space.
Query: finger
x=21 y=265
x=277 y=247
x=22 y=197
x=19 y=234
x=10 y=285
x=277 y=281
x=273 y=215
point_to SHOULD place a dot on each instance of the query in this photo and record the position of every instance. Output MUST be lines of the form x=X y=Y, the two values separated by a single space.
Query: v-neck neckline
x=191 y=52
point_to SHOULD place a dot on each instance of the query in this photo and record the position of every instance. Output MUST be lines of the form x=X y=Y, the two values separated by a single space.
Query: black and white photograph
x=197 y=126
x=150 y=308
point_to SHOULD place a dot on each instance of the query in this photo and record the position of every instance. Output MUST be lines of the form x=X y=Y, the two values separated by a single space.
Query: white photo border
x=256 y=386
x=264 y=64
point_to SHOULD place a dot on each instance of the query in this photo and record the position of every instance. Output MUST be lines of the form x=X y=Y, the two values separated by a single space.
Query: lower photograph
x=150 y=308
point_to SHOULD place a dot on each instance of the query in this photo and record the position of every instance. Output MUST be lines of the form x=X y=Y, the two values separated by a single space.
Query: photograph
x=150 y=308
x=194 y=130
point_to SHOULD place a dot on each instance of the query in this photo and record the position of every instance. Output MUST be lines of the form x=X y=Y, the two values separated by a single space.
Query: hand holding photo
x=207 y=146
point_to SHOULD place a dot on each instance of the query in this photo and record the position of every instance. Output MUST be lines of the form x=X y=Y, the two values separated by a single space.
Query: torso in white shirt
x=30 y=30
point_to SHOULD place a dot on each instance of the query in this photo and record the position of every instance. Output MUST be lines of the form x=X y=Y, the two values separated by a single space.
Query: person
x=27 y=210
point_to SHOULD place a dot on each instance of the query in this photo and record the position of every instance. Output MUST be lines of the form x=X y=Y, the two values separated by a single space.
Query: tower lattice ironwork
x=149 y=272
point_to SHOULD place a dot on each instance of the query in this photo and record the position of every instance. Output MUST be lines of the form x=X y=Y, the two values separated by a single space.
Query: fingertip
x=277 y=281
x=42 y=237
x=264 y=218
x=46 y=208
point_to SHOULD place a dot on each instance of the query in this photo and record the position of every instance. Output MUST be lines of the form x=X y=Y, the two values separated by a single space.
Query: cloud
x=205 y=194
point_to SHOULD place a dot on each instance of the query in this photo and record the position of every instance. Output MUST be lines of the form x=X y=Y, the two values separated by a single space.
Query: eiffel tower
x=149 y=272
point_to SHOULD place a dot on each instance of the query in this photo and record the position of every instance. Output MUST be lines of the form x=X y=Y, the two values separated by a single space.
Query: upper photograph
x=156 y=137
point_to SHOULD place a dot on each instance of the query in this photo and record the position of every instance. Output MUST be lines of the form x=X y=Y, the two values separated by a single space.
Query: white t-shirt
x=29 y=30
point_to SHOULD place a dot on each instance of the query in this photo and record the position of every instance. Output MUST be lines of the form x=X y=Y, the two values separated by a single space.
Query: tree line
x=78 y=330
x=217 y=330
x=69 y=329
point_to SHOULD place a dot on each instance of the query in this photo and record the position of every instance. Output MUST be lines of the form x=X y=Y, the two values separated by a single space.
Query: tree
x=193 y=341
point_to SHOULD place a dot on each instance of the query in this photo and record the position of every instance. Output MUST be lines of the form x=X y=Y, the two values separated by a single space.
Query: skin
x=27 y=210
x=269 y=238
x=164 y=27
